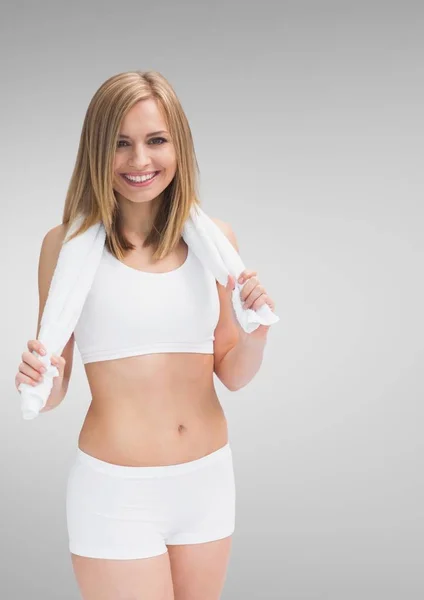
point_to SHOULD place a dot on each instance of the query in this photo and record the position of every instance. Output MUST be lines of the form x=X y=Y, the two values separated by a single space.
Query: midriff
x=154 y=409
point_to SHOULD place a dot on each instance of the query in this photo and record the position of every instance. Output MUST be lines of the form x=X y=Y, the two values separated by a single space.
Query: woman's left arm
x=239 y=355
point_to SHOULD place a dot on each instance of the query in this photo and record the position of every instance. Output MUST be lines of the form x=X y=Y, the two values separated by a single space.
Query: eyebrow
x=148 y=135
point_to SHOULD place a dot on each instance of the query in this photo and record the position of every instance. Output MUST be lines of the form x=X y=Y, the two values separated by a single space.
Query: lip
x=141 y=184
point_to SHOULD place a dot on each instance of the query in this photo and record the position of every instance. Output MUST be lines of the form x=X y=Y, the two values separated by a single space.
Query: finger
x=30 y=372
x=37 y=346
x=33 y=361
x=59 y=362
x=253 y=296
x=21 y=378
x=248 y=288
x=259 y=302
x=244 y=275
x=267 y=300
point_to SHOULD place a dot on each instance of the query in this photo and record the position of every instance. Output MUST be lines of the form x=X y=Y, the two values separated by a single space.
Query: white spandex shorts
x=125 y=512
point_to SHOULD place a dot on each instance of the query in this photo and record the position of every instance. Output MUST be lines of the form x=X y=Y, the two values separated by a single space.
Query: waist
x=155 y=429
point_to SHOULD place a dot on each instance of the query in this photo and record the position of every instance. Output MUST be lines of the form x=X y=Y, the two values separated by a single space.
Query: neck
x=137 y=218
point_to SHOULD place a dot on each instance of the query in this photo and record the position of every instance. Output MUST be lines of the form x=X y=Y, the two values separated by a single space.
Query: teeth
x=140 y=179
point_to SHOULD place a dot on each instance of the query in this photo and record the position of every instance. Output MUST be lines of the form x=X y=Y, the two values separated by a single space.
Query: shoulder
x=54 y=237
x=227 y=230
x=49 y=253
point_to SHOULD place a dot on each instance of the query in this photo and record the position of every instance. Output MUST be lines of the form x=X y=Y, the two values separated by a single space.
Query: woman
x=151 y=495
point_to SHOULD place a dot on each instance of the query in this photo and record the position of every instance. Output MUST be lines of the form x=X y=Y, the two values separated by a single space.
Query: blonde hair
x=90 y=193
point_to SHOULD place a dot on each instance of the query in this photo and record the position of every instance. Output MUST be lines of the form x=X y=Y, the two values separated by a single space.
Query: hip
x=116 y=511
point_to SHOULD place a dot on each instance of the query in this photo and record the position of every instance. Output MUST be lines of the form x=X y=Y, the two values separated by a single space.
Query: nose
x=139 y=157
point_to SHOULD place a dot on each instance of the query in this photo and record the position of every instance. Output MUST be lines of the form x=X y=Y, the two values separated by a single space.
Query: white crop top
x=129 y=312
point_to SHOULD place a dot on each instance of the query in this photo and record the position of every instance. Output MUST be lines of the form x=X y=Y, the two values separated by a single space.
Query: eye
x=161 y=139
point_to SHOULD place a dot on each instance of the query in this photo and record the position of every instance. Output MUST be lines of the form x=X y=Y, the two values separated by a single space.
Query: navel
x=181 y=428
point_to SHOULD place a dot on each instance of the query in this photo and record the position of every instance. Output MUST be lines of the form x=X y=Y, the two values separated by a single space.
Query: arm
x=238 y=355
x=49 y=253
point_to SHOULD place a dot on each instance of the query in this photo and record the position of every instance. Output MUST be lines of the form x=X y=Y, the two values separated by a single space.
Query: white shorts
x=125 y=512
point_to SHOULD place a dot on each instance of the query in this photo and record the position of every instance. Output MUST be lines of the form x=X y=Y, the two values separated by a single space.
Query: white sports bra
x=129 y=312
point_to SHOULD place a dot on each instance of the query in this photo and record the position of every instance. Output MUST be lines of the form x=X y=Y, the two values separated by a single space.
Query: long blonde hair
x=90 y=193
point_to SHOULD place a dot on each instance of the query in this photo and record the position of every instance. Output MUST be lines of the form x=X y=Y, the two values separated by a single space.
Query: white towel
x=74 y=273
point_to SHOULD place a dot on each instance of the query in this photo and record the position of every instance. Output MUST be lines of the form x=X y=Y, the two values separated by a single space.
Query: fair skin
x=171 y=396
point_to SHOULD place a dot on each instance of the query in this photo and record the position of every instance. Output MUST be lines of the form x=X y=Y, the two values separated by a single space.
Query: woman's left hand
x=253 y=295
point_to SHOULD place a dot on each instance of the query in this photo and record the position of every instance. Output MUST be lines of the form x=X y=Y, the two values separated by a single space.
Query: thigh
x=199 y=570
x=138 y=579
x=199 y=549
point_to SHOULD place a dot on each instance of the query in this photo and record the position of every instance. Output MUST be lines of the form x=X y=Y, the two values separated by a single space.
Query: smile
x=139 y=181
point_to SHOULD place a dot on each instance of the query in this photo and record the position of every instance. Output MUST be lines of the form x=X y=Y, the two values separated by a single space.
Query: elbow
x=234 y=385
x=231 y=385
x=230 y=376
x=232 y=388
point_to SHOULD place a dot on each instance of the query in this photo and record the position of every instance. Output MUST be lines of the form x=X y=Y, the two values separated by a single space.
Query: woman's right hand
x=31 y=368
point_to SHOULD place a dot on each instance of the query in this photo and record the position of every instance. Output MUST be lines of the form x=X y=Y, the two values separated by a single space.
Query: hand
x=253 y=295
x=32 y=368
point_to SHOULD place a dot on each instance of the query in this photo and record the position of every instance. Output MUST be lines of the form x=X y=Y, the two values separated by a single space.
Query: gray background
x=308 y=125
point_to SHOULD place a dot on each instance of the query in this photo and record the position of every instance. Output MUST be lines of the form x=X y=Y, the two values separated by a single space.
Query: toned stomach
x=155 y=409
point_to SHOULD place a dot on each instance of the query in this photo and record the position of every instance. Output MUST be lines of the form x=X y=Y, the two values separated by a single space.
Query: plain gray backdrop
x=308 y=125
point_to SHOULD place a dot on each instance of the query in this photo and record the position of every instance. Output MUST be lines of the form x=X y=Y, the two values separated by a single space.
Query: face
x=144 y=147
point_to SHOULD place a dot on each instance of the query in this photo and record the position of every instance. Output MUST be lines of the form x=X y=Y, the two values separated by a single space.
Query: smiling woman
x=150 y=499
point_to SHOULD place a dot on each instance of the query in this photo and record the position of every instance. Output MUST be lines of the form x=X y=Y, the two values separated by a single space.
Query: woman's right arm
x=49 y=254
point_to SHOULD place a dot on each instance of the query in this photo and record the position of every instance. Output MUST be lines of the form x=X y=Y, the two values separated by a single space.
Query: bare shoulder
x=227 y=230
x=52 y=241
